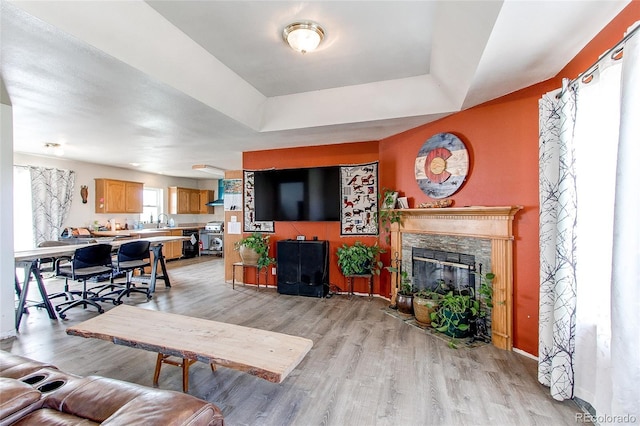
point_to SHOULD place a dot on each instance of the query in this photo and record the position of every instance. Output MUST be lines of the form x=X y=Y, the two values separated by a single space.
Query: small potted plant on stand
x=359 y=259
x=254 y=250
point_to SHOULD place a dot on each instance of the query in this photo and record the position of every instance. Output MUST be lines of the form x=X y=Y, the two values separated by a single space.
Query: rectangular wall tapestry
x=359 y=193
x=251 y=225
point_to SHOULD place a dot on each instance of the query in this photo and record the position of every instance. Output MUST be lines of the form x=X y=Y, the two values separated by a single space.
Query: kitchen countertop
x=144 y=232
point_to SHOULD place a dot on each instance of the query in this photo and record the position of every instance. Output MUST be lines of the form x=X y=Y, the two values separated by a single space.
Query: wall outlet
x=273 y=271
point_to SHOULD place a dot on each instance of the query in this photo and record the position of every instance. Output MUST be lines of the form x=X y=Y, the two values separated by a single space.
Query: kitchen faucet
x=160 y=221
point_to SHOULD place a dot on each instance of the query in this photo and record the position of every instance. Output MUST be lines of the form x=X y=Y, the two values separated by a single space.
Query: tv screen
x=311 y=194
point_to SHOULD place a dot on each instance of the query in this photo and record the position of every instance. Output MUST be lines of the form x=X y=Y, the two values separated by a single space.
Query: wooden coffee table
x=265 y=354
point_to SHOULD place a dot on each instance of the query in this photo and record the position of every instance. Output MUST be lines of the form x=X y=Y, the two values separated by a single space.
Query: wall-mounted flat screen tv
x=311 y=194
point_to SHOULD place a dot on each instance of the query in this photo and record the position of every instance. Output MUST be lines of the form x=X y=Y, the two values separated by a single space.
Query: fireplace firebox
x=443 y=271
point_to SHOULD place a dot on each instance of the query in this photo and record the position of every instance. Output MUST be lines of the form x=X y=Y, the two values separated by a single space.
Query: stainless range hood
x=220 y=200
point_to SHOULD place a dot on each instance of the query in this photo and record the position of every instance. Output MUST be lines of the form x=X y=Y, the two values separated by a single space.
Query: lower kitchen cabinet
x=173 y=250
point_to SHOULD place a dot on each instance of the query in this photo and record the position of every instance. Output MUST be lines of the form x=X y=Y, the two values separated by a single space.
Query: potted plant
x=387 y=213
x=359 y=259
x=455 y=314
x=404 y=298
x=254 y=250
x=425 y=302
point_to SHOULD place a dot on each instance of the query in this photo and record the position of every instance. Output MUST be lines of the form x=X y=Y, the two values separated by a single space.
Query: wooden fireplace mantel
x=491 y=223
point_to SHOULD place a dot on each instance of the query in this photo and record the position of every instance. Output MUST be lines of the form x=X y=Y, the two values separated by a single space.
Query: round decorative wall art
x=442 y=165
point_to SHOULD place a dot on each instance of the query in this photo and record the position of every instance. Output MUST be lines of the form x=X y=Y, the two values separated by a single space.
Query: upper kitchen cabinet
x=118 y=196
x=206 y=195
x=189 y=201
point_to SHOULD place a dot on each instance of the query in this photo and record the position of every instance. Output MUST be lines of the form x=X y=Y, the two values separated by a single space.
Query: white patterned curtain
x=590 y=348
x=558 y=212
x=51 y=194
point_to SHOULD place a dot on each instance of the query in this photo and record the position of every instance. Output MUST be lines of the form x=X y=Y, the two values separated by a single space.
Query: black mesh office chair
x=87 y=262
x=54 y=264
x=131 y=256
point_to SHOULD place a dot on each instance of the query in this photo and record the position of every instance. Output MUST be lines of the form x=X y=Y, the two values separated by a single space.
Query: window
x=151 y=204
x=22 y=211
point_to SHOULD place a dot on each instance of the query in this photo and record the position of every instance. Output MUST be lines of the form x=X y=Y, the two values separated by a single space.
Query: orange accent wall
x=502 y=139
x=312 y=156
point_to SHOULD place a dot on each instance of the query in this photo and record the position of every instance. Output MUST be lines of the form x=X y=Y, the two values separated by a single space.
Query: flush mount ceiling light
x=304 y=36
x=208 y=169
x=54 y=148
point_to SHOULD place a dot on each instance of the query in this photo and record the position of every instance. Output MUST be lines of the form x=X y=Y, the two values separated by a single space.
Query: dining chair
x=131 y=256
x=86 y=262
x=54 y=265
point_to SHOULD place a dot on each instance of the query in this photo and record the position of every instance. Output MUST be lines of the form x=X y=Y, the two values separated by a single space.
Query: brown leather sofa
x=39 y=393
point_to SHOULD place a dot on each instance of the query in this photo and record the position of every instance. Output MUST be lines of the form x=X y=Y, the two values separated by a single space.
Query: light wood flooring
x=365 y=367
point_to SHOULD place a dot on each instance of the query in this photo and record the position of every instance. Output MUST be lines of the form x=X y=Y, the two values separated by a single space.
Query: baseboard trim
x=527 y=354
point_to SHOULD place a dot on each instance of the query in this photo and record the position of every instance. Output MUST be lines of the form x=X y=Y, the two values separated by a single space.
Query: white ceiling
x=170 y=84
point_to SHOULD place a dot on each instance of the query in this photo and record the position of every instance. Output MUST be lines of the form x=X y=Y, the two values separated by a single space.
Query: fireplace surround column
x=490 y=223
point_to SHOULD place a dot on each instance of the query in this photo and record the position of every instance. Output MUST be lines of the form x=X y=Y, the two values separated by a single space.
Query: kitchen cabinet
x=171 y=250
x=189 y=200
x=180 y=200
x=206 y=195
x=118 y=196
x=183 y=206
x=194 y=201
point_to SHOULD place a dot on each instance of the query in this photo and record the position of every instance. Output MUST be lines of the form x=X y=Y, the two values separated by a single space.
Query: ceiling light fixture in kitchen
x=303 y=36
x=208 y=169
x=54 y=148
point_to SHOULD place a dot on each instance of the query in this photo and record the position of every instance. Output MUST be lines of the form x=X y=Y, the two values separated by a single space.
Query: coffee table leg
x=156 y=374
x=163 y=359
x=185 y=374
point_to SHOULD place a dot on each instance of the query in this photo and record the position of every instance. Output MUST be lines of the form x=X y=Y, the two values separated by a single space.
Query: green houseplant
x=404 y=298
x=359 y=259
x=461 y=314
x=254 y=250
x=455 y=314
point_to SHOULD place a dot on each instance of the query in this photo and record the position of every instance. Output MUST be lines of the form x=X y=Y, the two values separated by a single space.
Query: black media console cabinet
x=303 y=267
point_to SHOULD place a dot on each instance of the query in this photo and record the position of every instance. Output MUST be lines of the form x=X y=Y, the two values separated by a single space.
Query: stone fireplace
x=455 y=238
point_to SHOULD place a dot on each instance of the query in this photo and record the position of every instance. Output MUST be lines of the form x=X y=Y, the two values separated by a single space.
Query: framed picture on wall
x=359 y=199
x=250 y=224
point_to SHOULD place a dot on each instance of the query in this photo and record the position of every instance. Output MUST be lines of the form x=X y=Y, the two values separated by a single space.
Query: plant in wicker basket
x=254 y=250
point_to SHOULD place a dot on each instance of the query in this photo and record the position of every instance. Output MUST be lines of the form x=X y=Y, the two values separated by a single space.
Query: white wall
x=80 y=214
x=7 y=268
x=83 y=215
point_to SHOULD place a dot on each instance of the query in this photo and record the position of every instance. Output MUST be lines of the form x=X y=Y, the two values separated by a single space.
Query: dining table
x=29 y=261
